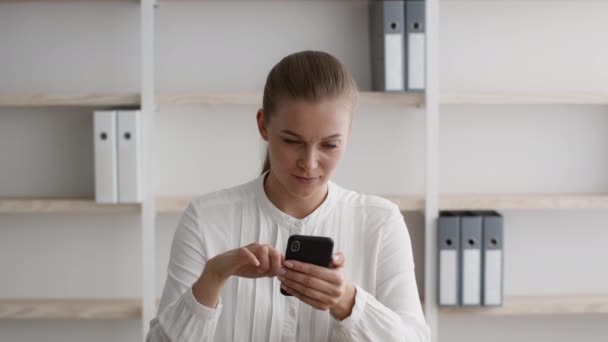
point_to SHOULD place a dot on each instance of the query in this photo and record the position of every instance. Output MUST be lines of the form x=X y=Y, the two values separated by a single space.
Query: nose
x=308 y=159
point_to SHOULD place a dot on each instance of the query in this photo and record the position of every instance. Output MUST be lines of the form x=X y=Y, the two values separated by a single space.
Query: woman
x=226 y=267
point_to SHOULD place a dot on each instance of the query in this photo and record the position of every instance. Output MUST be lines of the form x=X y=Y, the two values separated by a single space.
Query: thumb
x=337 y=260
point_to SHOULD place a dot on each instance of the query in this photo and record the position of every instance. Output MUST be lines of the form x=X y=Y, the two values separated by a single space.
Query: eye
x=289 y=141
x=330 y=146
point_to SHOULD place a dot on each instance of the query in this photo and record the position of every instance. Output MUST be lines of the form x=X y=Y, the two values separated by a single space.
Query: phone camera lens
x=295 y=246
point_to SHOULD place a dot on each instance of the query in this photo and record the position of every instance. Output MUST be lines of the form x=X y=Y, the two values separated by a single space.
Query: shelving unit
x=118 y=309
x=523 y=202
x=429 y=202
x=61 y=205
x=541 y=305
x=177 y=204
x=78 y=100
x=255 y=98
x=521 y=98
x=25 y=309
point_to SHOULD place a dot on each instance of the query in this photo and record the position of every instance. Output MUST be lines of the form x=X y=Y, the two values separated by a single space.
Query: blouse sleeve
x=180 y=316
x=394 y=313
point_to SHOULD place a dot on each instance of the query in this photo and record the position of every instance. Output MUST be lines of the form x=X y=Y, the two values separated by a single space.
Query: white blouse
x=369 y=230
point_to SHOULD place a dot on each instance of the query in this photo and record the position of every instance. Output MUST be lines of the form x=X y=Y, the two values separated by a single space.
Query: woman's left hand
x=320 y=287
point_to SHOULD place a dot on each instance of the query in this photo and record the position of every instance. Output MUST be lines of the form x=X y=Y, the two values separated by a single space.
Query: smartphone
x=309 y=249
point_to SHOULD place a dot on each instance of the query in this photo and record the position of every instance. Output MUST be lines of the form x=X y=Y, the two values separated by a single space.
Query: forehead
x=313 y=119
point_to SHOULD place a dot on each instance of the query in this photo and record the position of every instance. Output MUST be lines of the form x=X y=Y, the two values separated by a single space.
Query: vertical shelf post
x=432 y=166
x=148 y=213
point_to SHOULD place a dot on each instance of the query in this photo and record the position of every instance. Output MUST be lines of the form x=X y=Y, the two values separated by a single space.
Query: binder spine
x=415 y=46
x=471 y=233
x=105 y=156
x=130 y=157
x=449 y=264
x=493 y=259
x=387 y=45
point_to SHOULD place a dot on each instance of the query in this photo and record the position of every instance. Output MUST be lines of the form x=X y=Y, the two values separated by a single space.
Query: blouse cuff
x=188 y=317
x=199 y=310
x=361 y=299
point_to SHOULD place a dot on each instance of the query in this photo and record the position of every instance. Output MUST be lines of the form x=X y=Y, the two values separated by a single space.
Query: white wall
x=224 y=47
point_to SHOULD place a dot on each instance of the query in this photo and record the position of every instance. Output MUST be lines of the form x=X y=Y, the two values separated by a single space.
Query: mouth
x=306 y=179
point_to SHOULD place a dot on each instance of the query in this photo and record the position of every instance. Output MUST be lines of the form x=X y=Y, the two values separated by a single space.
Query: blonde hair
x=307 y=75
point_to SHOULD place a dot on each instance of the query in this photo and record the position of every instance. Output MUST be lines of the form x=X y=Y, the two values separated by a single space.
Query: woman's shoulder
x=365 y=202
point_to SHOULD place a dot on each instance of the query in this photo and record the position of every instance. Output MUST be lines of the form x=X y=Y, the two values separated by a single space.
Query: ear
x=262 y=125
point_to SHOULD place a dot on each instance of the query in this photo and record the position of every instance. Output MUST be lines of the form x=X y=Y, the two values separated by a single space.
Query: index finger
x=313 y=270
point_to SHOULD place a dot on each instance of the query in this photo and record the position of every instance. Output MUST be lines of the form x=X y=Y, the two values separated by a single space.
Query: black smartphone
x=309 y=249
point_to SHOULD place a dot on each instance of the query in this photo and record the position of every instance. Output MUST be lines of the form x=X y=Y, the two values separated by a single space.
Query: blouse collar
x=287 y=220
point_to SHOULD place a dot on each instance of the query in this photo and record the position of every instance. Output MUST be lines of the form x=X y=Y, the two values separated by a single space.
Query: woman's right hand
x=252 y=261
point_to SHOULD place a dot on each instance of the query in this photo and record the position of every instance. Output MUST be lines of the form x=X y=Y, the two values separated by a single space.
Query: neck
x=298 y=207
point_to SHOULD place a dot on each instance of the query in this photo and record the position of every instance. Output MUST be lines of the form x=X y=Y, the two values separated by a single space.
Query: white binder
x=449 y=265
x=470 y=246
x=106 y=178
x=129 y=157
x=493 y=242
x=415 y=46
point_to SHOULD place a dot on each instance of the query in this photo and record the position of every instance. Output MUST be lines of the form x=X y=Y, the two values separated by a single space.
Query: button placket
x=291 y=319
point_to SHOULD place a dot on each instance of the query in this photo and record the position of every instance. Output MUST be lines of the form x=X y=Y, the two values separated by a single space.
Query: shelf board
x=255 y=99
x=407 y=202
x=81 y=100
x=514 y=97
x=177 y=204
x=523 y=202
x=70 y=308
x=541 y=305
x=62 y=205
x=172 y=204
x=408 y=98
x=131 y=308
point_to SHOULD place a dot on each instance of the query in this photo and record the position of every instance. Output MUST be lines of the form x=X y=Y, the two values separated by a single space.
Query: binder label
x=448 y=268
x=415 y=60
x=472 y=277
x=393 y=71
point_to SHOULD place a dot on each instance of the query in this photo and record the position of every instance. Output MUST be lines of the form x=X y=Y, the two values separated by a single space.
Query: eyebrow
x=333 y=136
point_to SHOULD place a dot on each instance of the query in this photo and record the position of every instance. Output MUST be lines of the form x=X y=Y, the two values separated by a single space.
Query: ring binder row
x=118 y=156
x=471 y=258
x=398 y=43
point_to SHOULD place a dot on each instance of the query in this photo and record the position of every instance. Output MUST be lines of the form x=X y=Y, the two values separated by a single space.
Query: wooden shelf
x=131 y=308
x=172 y=205
x=541 y=305
x=408 y=98
x=511 y=97
x=70 y=308
x=82 y=100
x=60 y=205
x=523 y=202
x=407 y=202
x=177 y=204
x=255 y=99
